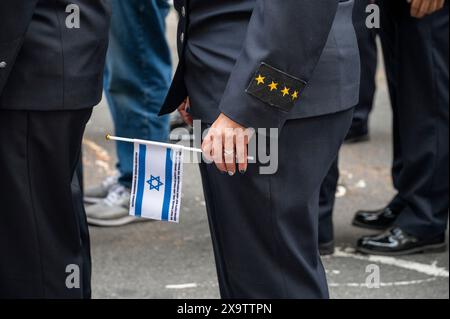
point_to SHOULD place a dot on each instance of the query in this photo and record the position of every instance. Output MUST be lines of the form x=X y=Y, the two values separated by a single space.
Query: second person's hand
x=183 y=109
x=421 y=8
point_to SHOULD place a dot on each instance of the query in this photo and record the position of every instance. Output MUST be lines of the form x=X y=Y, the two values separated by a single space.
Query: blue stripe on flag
x=168 y=186
x=141 y=180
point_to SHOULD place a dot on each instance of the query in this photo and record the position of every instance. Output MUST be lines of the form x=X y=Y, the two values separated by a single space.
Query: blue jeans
x=137 y=75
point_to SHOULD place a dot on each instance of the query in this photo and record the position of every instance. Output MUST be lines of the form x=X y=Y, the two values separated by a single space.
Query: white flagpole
x=168 y=145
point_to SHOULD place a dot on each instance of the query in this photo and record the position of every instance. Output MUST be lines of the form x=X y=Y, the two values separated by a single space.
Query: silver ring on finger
x=228 y=152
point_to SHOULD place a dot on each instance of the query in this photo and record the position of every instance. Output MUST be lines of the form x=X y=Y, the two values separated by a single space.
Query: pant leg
x=369 y=59
x=368 y=53
x=41 y=229
x=138 y=75
x=77 y=193
x=389 y=38
x=265 y=227
x=422 y=110
x=326 y=203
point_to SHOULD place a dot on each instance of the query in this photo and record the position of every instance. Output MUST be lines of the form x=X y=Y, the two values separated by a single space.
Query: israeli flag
x=157 y=182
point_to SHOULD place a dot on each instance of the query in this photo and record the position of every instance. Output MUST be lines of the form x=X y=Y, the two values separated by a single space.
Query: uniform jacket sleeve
x=15 y=17
x=284 y=42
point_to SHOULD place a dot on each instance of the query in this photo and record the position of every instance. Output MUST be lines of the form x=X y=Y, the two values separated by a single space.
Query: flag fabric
x=157 y=182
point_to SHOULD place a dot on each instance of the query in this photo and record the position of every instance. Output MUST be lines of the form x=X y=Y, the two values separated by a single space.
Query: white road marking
x=333 y=272
x=182 y=286
x=341 y=191
x=383 y=284
x=430 y=270
x=361 y=184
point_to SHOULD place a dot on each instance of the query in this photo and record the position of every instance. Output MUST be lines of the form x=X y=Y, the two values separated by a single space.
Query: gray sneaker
x=113 y=211
x=96 y=194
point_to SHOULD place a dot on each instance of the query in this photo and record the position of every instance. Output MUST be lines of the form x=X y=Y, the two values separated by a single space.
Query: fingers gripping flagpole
x=167 y=145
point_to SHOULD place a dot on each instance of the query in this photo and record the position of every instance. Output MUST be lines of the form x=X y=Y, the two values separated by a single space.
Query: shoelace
x=109 y=181
x=116 y=196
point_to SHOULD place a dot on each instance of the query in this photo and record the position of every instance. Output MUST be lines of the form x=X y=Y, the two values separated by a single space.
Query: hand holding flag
x=157 y=178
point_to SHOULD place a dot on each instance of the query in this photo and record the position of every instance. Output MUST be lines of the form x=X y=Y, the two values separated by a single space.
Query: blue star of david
x=155 y=183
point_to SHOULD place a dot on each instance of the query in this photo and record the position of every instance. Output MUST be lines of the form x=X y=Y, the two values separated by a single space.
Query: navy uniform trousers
x=360 y=124
x=50 y=78
x=416 y=52
x=262 y=236
x=43 y=230
x=368 y=53
x=416 y=61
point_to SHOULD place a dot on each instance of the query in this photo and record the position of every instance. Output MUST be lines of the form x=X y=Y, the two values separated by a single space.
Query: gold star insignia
x=285 y=91
x=295 y=95
x=260 y=79
x=273 y=86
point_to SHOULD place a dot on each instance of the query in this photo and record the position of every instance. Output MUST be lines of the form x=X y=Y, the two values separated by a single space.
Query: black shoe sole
x=365 y=226
x=436 y=248
x=327 y=249
x=357 y=139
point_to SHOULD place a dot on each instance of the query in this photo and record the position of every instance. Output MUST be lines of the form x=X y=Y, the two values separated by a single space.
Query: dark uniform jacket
x=44 y=65
x=262 y=62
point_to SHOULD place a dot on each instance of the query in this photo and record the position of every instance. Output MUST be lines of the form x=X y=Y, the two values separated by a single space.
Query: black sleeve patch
x=275 y=87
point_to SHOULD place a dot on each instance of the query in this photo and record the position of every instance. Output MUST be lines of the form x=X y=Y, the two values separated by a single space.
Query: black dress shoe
x=396 y=242
x=377 y=219
x=326 y=249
